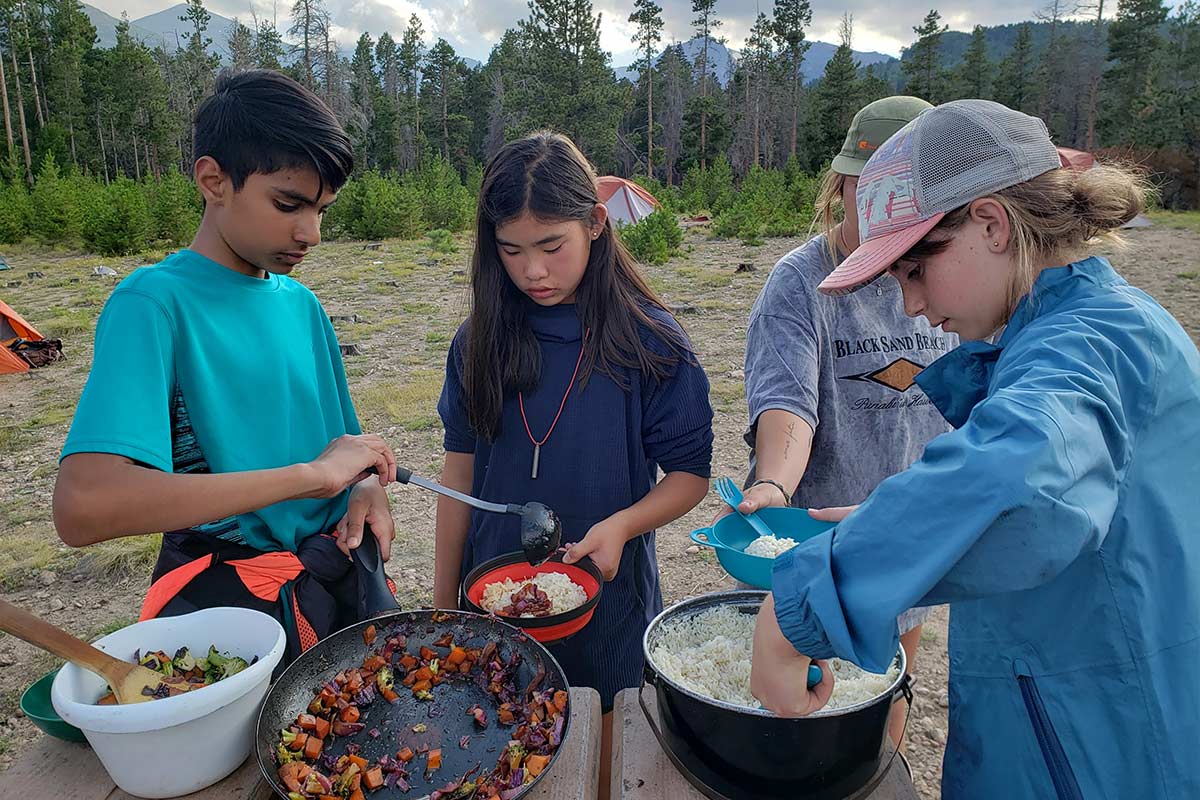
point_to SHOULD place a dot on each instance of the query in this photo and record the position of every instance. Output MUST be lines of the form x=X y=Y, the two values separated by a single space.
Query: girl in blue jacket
x=1061 y=519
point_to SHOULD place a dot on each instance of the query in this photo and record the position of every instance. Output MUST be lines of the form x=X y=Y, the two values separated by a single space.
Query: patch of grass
x=419 y=308
x=54 y=415
x=120 y=558
x=725 y=393
x=1176 y=220
x=26 y=551
x=436 y=337
x=1189 y=276
x=10 y=436
x=67 y=323
x=410 y=403
x=752 y=241
x=19 y=511
x=707 y=278
x=720 y=305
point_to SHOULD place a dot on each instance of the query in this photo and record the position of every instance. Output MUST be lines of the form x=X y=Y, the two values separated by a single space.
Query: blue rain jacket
x=1061 y=521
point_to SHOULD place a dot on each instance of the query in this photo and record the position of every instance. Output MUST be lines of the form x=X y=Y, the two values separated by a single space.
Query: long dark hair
x=547 y=176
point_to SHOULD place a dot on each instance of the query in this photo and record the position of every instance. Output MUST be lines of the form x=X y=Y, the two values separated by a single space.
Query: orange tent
x=627 y=203
x=13 y=327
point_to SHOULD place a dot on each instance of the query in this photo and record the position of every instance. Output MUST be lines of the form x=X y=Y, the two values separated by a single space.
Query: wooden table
x=642 y=771
x=56 y=770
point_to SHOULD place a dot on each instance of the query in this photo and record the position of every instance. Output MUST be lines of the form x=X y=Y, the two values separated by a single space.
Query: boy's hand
x=347 y=460
x=604 y=543
x=831 y=514
x=369 y=504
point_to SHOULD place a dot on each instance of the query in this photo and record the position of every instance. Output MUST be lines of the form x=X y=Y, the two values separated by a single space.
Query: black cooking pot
x=727 y=750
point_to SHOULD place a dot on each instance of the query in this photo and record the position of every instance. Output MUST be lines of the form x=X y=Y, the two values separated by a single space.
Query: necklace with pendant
x=537 y=446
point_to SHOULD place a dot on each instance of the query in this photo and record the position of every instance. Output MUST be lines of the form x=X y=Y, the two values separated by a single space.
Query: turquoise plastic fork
x=732 y=495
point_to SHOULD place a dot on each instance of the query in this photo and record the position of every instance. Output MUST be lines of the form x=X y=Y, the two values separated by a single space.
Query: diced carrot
x=373 y=663
x=358 y=761
x=409 y=679
x=356 y=795
x=293 y=774
x=464 y=667
x=427 y=654
x=312 y=747
x=435 y=759
x=405 y=754
x=408 y=661
x=340 y=678
x=373 y=778
x=349 y=714
x=535 y=764
x=389 y=695
x=369 y=635
x=298 y=742
x=505 y=714
x=551 y=710
x=560 y=700
x=109 y=699
x=321 y=728
x=327 y=696
x=328 y=797
x=306 y=722
x=424 y=674
x=422 y=686
x=356 y=784
x=354 y=681
x=457 y=656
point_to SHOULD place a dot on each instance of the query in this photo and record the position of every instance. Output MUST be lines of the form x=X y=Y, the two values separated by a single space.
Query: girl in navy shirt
x=569 y=384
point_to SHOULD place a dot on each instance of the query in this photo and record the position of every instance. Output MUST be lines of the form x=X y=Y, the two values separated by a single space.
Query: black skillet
x=445 y=719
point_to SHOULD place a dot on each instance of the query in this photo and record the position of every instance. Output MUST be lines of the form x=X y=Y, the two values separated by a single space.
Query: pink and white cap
x=942 y=160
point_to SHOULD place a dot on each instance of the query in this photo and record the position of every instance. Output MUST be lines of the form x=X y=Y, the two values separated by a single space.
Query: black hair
x=545 y=174
x=261 y=121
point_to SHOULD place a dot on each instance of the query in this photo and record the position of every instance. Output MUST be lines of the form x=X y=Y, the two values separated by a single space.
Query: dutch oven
x=731 y=751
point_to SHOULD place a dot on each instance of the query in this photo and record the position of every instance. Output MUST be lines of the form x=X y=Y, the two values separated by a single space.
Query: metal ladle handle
x=406 y=476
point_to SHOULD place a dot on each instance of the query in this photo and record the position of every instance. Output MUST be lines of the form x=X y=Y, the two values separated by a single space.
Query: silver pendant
x=537 y=452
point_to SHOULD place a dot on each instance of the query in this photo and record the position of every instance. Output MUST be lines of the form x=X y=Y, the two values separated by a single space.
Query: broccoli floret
x=384 y=678
x=284 y=756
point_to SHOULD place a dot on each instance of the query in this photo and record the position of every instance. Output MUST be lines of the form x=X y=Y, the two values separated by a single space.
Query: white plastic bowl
x=181 y=744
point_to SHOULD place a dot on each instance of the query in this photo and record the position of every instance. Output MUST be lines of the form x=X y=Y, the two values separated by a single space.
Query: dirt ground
x=400 y=304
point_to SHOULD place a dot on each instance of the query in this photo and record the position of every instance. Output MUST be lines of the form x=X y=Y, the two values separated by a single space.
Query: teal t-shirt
x=198 y=368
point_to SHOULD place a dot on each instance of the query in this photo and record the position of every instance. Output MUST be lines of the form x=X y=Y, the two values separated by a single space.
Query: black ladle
x=541 y=530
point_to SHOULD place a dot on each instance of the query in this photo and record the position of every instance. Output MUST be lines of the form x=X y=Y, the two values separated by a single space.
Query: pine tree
x=410 y=57
x=974 y=77
x=268 y=46
x=705 y=23
x=837 y=99
x=791 y=18
x=570 y=85
x=1016 y=76
x=924 y=65
x=1182 y=91
x=1134 y=46
x=674 y=73
x=306 y=29
x=442 y=92
x=647 y=16
x=239 y=47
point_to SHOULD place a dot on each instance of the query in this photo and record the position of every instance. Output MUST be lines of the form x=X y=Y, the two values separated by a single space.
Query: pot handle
x=904 y=688
x=662 y=743
x=704 y=538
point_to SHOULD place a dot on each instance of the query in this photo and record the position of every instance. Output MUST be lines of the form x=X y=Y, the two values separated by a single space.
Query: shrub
x=442 y=241
x=122 y=223
x=655 y=239
x=57 y=205
x=16 y=212
x=447 y=203
x=175 y=208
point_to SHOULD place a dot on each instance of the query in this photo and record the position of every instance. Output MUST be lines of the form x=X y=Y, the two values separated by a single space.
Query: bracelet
x=787 y=498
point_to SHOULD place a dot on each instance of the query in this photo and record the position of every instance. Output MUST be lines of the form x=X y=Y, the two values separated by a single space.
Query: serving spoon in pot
x=541 y=530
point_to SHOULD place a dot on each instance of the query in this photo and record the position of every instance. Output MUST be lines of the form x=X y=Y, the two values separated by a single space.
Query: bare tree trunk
x=649 y=115
x=37 y=102
x=137 y=159
x=795 y=109
x=112 y=129
x=8 y=131
x=21 y=118
x=445 y=127
x=103 y=152
x=149 y=166
x=704 y=105
x=74 y=155
x=1094 y=89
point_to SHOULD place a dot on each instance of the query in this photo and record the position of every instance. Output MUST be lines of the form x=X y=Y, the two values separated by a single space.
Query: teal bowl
x=35 y=704
x=731 y=534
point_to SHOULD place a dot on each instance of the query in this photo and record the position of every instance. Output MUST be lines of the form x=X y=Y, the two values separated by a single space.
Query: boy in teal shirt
x=217 y=407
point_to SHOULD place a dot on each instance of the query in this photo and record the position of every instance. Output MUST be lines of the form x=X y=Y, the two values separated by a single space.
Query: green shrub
x=122 y=224
x=668 y=197
x=448 y=204
x=655 y=239
x=16 y=212
x=708 y=190
x=384 y=207
x=57 y=205
x=442 y=241
x=175 y=208
x=763 y=207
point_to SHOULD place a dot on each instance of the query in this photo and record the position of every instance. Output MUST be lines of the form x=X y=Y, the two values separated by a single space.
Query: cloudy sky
x=473 y=26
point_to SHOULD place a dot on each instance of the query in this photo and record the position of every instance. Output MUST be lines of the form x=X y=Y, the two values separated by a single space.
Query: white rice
x=564 y=593
x=770 y=546
x=709 y=654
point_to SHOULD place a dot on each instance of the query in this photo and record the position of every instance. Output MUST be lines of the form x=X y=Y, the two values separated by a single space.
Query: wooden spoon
x=126 y=680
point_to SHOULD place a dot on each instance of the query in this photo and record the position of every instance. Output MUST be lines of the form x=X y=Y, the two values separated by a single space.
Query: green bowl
x=36 y=705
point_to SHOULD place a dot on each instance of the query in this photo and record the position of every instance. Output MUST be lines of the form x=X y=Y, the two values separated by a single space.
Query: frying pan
x=445 y=718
